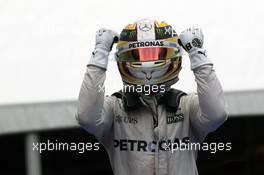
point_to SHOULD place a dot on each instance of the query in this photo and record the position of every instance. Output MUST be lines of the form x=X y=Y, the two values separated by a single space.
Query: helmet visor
x=148 y=54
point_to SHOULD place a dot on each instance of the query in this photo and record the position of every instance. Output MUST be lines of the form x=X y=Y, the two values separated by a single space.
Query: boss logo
x=175 y=118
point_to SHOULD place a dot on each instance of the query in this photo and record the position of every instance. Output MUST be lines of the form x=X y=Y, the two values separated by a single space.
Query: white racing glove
x=192 y=41
x=104 y=42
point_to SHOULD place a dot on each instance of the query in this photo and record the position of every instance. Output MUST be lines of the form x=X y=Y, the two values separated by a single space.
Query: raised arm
x=207 y=109
x=94 y=109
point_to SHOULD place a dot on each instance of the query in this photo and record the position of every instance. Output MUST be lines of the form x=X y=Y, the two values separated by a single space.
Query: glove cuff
x=99 y=58
x=198 y=57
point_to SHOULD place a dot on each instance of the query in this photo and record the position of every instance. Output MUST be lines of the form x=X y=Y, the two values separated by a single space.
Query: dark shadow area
x=12 y=155
x=72 y=162
x=247 y=155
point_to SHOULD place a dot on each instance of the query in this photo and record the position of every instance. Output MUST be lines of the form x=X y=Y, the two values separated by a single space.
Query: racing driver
x=139 y=129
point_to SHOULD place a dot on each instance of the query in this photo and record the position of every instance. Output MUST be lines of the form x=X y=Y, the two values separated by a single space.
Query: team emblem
x=145 y=27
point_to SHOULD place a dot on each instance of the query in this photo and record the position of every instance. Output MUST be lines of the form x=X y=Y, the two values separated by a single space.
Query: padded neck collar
x=170 y=99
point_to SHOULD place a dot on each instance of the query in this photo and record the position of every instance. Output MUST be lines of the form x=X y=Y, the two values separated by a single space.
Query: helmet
x=148 y=53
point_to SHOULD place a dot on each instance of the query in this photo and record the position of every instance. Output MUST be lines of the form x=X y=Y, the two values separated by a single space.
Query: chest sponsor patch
x=175 y=118
x=127 y=120
x=148 y=146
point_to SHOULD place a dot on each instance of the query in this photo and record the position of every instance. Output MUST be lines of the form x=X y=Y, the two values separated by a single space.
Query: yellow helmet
x=148 y=53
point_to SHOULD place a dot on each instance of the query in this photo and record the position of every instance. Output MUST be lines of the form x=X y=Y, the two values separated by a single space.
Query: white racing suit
x=138 y=141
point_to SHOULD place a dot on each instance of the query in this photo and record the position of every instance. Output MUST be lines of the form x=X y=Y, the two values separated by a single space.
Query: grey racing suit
x=137 y=146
